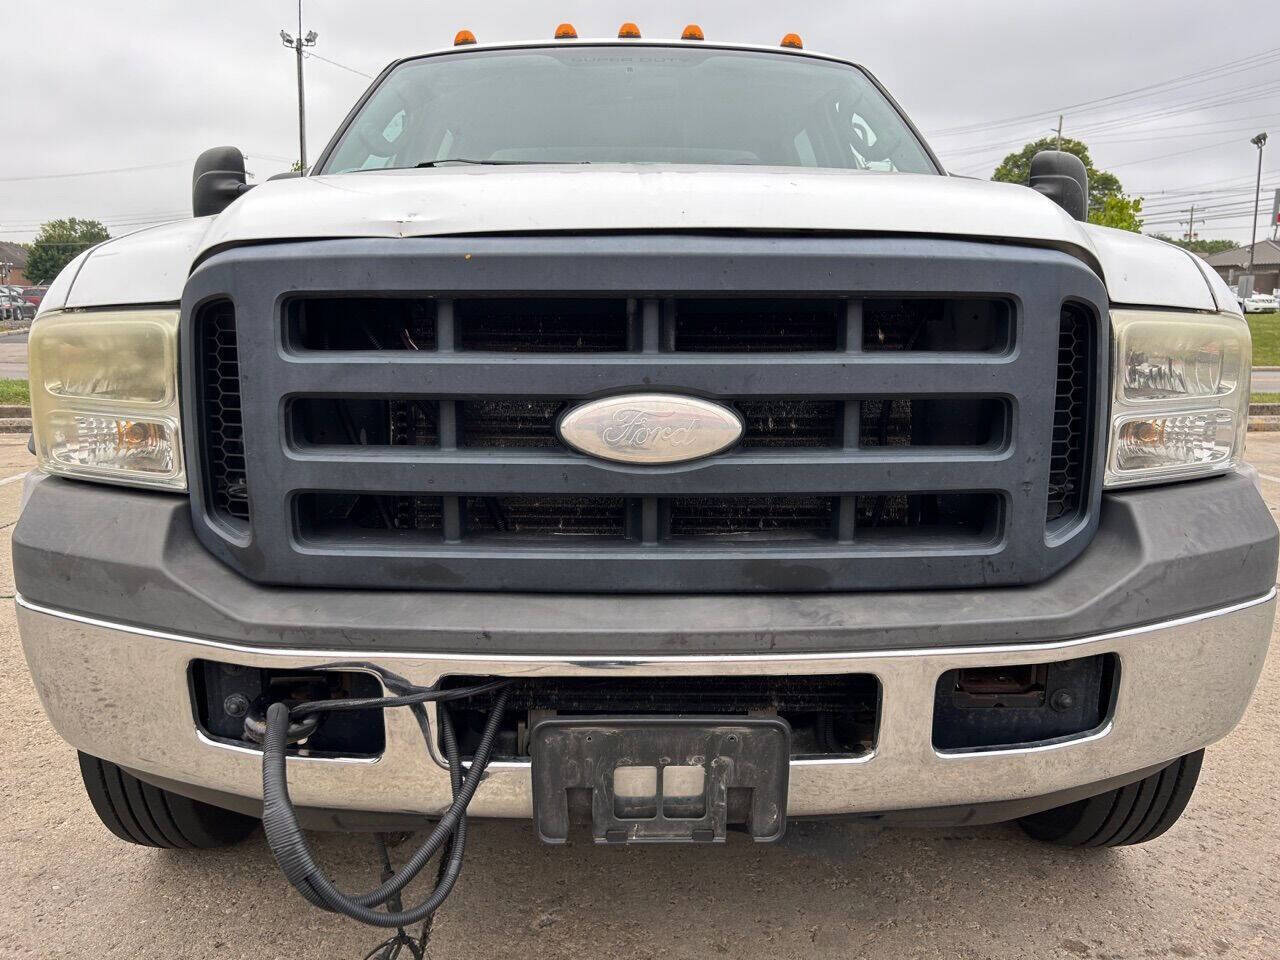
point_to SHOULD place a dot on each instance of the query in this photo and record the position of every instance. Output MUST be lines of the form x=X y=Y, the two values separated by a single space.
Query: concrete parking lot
x=1209 y=888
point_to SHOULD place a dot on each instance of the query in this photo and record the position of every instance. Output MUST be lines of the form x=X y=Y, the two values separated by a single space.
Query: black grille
x=362 y=323
x=787 y=423
x=969 y=325
x=509 y=422
x=779 y=423
x=327 y=514
x=744 y=520
x=953 y=422
x=753 y=517
x=228 y=490
x=400 y=422
x=1069 y=453
x=758 y=326
x=890 y=440
x=546 y=516
x=537 y=325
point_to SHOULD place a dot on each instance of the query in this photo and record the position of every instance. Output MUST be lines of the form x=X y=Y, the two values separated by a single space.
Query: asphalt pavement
x=1209 y=888
x=13 y=356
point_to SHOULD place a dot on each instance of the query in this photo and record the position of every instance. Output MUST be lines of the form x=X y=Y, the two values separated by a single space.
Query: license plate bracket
x=642 y=774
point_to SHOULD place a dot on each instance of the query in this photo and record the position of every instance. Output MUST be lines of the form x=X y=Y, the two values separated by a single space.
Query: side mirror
x=218 y=179
x=1062 y=178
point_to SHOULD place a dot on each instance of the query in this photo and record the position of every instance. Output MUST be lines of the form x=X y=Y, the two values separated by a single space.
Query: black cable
x=290 y=848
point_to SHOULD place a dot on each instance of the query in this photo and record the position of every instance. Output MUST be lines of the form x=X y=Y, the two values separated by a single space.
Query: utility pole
x=1259 y=141
x=1059 y=146
x=1191 y=224
x=298 y=44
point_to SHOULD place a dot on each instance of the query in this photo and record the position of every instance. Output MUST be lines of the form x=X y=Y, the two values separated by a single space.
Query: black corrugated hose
x=290 y=848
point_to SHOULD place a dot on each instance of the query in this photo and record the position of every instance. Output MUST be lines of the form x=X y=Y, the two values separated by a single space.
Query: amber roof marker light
x=628 y=31
x=464 y=38
x=566 y=31
x=693 y=32
x=793 y=41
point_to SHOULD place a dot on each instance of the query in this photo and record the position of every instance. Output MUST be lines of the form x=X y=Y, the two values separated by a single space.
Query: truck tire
x=1137 y=813
x=139 y=813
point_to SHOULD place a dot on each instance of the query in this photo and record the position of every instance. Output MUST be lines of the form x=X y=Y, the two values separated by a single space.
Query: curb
x=15 y=419
x=1264 y=424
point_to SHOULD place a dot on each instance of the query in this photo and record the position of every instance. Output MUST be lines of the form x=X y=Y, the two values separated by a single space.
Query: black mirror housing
x=1062 y=177
x=218 y=179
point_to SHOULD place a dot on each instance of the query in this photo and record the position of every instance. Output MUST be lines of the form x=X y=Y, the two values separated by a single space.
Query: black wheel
x=140 y=813
x=1137 y=813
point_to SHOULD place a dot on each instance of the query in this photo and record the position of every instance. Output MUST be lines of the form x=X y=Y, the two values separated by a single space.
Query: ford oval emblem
x=650 y=428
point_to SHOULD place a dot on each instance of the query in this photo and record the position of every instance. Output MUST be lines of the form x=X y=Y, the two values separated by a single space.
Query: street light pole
x=1259 y=141
x=298 y=44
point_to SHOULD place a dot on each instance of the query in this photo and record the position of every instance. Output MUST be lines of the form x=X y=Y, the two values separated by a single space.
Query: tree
x=58 y=243
x=1122 y=211
x=1206 y=248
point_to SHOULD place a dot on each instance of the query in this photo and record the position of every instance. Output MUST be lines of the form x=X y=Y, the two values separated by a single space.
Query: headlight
x=1180 y=398
x=104 y=396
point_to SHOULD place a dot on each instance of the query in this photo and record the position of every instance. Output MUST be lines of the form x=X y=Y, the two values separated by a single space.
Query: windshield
x=610 y=104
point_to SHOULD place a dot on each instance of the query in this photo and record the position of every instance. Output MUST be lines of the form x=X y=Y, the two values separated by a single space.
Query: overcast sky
x=127 y=83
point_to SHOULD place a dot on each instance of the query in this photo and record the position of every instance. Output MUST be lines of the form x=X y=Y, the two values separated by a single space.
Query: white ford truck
x=667 y=419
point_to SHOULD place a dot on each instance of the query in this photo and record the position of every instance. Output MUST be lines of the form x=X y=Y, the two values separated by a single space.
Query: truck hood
x=456 y=201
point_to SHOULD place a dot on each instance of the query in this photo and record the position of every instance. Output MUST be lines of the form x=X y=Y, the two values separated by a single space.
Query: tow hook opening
x=986 y=708
x=231 y=700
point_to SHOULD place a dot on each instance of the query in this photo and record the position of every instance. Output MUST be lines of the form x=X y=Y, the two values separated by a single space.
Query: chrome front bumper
x=122 y=693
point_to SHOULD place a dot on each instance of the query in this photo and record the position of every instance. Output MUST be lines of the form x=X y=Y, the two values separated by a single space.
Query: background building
x=16 y=255
x=1231 y=264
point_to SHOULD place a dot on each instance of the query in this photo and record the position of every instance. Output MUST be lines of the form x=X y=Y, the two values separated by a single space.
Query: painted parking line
x=8 y=480
x=1269 y=478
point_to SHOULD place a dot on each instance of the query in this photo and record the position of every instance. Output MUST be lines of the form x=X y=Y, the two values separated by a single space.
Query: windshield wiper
x=494 y=163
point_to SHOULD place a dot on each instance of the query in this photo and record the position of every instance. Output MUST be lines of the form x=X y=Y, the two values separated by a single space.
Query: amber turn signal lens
x=628 y=31
x=464 y=38
x=692 y=32
x=566 y=32
x=793 y=40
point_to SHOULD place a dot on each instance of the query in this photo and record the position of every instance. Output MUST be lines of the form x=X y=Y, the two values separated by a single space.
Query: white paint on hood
x=152 y=266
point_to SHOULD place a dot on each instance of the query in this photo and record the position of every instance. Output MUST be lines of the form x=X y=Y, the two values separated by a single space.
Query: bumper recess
x=122 y=693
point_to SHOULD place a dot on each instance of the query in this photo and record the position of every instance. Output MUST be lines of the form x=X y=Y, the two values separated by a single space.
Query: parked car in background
x=14 y=307
x=33 y=295
x=16 y=291
x=1261 y=303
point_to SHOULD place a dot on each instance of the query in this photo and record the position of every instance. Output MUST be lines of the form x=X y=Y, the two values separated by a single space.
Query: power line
x=1135 y=119
x=311 y=54
x=114 y=170
x=1219 y=99
x=1228 y=68
x=1169 y=156
x=1183 y=130
x=93 y=173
